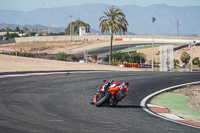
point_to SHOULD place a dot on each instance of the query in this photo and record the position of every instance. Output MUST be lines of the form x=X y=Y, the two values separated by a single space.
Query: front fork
x=114 y=100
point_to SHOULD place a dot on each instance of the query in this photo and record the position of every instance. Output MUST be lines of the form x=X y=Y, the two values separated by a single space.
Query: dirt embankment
x=16 y=64
x=45 y=47
x=194 y=93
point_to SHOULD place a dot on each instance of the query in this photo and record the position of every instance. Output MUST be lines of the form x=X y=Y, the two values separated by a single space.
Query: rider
x=122 y=89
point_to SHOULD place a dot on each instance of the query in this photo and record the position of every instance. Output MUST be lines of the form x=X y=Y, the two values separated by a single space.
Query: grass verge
x=144 y=47
x=88 y=50
x=179 y=70
x=177 y=104
x=136 y=48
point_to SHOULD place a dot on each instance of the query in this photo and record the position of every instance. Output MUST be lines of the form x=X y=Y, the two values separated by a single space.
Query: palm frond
x=114 y=21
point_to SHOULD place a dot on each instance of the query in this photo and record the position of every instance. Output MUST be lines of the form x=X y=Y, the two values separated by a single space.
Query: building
x=83 y=31
x=38 y=32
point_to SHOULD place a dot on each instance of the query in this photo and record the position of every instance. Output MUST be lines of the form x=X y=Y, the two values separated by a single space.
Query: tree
x=32 y=33
x=12 y=35
x=17 y=29
x=7 y=30
x=176 y=62
x=75 y=27
x=150 y=62
x=2 y=30
x=196 y=61
x=114 y=21
x=125 y=57
x=25 y=29
x=185 y=57
x=116 y=56
x=136 y=58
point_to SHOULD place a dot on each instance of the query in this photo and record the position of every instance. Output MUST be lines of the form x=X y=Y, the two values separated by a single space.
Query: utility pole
x=191 y=46
x=36 y=47
x=71 y=27
x=48 y=32
x=152 y=64
x=78 y=16
x=177 y=26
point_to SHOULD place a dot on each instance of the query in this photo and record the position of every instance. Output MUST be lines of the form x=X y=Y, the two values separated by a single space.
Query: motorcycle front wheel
x=103 y=99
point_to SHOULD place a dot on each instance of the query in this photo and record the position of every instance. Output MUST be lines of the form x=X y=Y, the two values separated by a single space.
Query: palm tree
x=114 y=22
x=25 y=29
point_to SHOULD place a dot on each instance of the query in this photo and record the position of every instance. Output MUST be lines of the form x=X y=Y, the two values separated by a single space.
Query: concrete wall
x=12 y=40
x=93 y=37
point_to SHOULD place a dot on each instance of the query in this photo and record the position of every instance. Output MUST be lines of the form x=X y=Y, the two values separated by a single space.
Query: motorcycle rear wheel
x=103 y=100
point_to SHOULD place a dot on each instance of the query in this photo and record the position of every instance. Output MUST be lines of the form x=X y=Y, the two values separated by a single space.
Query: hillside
x=139 y=18
x=33 y=27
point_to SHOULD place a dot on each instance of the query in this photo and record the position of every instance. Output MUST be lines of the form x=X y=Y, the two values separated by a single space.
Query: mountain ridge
x=139 y=18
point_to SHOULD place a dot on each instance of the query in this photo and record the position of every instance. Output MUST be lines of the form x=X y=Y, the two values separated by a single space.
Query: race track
x=105 y=50
x=59 y=103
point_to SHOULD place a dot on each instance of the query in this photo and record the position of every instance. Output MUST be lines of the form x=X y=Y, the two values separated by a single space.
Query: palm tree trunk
x=110 y=54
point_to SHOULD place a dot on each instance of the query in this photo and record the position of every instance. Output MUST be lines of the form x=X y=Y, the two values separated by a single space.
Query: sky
x=28 y=5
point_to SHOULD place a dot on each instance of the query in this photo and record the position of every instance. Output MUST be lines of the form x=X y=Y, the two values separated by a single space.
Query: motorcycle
x=110 y=93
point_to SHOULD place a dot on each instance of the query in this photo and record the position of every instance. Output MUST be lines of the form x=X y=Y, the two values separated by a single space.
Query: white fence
x=147 y=38
x=161 y=40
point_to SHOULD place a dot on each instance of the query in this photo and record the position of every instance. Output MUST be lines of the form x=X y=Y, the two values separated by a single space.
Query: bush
x=106 y=59
x=75 y=58
x=25 y=54
x=136 y=58
x=196 y=61
x=117 y=57
x=124 y=57
x=185 y=57
x=61 y=56
x=150 y=62
x=176 y=62
x=12 y=35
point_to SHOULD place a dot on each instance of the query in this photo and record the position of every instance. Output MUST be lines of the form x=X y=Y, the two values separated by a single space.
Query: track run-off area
x=58 y=102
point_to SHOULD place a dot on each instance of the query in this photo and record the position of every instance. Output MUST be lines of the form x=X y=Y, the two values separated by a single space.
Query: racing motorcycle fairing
x=110 y=92
x=113 y=90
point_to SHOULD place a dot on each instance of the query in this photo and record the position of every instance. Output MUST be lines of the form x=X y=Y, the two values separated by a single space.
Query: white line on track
x=47 y=73
x=56 y=120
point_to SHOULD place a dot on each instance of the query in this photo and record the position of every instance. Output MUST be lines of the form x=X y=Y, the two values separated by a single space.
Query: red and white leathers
x=114 y=86
x=122 y=89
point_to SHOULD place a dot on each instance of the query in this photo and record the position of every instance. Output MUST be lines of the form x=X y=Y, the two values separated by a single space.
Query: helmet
x=126 y=83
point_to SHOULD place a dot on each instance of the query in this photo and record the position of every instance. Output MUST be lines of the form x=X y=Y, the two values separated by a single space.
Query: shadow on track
x=126 y=106
x=122 y=106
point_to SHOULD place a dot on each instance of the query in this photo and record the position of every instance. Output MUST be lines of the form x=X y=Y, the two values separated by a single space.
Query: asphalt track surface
x=105 y=50
x=60 y=103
